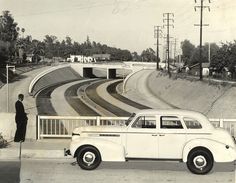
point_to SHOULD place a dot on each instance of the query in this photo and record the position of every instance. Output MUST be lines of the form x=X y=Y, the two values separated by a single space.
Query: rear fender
x=219 y=151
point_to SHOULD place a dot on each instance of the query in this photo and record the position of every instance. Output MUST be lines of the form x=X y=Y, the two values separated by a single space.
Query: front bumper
x=67 y=152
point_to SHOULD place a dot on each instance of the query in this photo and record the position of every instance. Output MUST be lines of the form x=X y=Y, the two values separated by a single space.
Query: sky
x=125 y=24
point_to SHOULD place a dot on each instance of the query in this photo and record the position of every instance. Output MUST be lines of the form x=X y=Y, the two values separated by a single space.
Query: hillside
x=214 y=100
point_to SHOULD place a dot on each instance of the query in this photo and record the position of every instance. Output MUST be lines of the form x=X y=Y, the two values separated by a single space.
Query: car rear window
x=192 y=123
x=171 y=122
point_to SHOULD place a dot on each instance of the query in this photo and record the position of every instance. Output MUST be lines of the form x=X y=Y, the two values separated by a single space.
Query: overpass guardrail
x=62 y=126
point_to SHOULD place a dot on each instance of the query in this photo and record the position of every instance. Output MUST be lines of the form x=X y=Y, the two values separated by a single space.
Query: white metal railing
x=228 y=124
x=62 y=126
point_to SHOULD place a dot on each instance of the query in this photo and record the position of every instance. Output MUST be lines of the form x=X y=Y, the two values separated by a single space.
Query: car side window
x=192 y=123
x=145 y=122
x=170 y=122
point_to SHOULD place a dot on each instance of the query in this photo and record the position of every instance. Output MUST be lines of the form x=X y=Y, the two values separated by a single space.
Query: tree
x=125 y=55
x=148 y=55
x=37 y=50
x=213 y=49
x=49 y=42
x=225 y=58
x=3 y=51
x=23 y=31
x=88 y=42
x=187 y=50
x=8 y=32
x=196 y=56
x=8 y=36
x=135 y=56
x=68 y=41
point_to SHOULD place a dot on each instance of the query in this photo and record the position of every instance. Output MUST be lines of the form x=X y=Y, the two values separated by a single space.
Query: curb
x=32 y=154
x=34 y=150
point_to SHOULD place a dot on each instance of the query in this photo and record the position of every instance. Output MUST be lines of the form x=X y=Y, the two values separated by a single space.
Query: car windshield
x=130 y=119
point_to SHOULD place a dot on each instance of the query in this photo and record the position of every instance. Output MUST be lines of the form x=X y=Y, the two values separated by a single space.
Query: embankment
x=61 y=75
x=214 y=100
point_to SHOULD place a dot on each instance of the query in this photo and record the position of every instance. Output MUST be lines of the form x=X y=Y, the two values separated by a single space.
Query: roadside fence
x=63 y=126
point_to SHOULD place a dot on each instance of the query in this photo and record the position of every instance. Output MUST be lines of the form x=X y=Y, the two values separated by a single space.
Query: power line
x=167 y=18
x=75 y=8
x=201 y=7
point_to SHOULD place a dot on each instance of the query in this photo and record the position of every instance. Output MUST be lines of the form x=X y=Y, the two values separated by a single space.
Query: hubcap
x=200 y=162
x=89 y=158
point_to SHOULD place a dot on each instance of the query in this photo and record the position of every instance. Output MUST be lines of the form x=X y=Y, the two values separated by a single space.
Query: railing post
x=98 y=120
x=38 y=127
x=221 y=123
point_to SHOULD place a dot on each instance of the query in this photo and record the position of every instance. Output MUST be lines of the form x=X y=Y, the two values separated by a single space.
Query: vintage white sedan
x=181 y=135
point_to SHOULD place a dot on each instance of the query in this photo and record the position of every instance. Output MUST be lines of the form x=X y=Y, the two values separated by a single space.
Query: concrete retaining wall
x=77 y=67
x=214 y=100
x=8 y=126
x=52 y=76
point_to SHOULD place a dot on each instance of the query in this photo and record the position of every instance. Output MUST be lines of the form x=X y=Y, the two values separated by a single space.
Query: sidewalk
x=40 y=149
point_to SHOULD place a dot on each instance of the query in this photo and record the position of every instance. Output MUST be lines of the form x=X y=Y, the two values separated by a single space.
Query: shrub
x=3 y=142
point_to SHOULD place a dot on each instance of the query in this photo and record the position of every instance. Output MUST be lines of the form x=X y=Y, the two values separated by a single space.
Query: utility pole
x=209 y=52
x=167 y=18
x=175 y=44
x=157 y=31
x=164 y=53
x=201 y=20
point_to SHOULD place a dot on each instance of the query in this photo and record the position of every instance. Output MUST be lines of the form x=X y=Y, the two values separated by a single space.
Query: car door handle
x=154 y=135
x=161 y=135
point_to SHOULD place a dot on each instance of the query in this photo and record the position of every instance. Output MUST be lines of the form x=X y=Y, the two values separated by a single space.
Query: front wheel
x=88 y=158
x=200 y=161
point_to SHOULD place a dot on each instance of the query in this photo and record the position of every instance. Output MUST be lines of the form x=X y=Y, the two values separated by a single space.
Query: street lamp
x=14 y=69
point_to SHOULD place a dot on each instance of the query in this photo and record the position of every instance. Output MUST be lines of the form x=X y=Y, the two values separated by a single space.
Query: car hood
x=100 y=129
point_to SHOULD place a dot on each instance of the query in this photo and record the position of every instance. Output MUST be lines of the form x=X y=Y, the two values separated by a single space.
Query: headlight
x=234 y=139
x=77 y=134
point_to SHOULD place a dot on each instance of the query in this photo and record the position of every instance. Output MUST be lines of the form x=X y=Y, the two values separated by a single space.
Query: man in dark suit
x=21 y=120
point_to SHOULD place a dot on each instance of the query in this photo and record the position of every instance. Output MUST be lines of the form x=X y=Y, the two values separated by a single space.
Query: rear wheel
x=88 y=158
x=200 y=161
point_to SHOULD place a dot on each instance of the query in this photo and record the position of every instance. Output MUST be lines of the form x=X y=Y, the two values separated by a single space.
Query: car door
x=141 y=138
x=172 y=137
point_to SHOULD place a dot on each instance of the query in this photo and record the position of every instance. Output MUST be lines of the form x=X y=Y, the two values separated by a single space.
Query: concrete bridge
x=86 y=69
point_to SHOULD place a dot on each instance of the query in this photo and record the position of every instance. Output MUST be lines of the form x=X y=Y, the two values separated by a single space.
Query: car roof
x=180 y=112
x=169 y=112
x=172 y=112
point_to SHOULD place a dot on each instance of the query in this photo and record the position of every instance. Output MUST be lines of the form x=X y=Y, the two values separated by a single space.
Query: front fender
x=109 y=150
x=219 y=151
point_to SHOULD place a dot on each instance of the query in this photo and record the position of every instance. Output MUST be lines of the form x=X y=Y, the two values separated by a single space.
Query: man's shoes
x=19 y=141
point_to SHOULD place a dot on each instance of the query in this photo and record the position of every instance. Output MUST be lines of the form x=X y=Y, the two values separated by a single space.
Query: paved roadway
x=10 y=171
x=21 y=85
x=75 y=101
x=61 y=171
